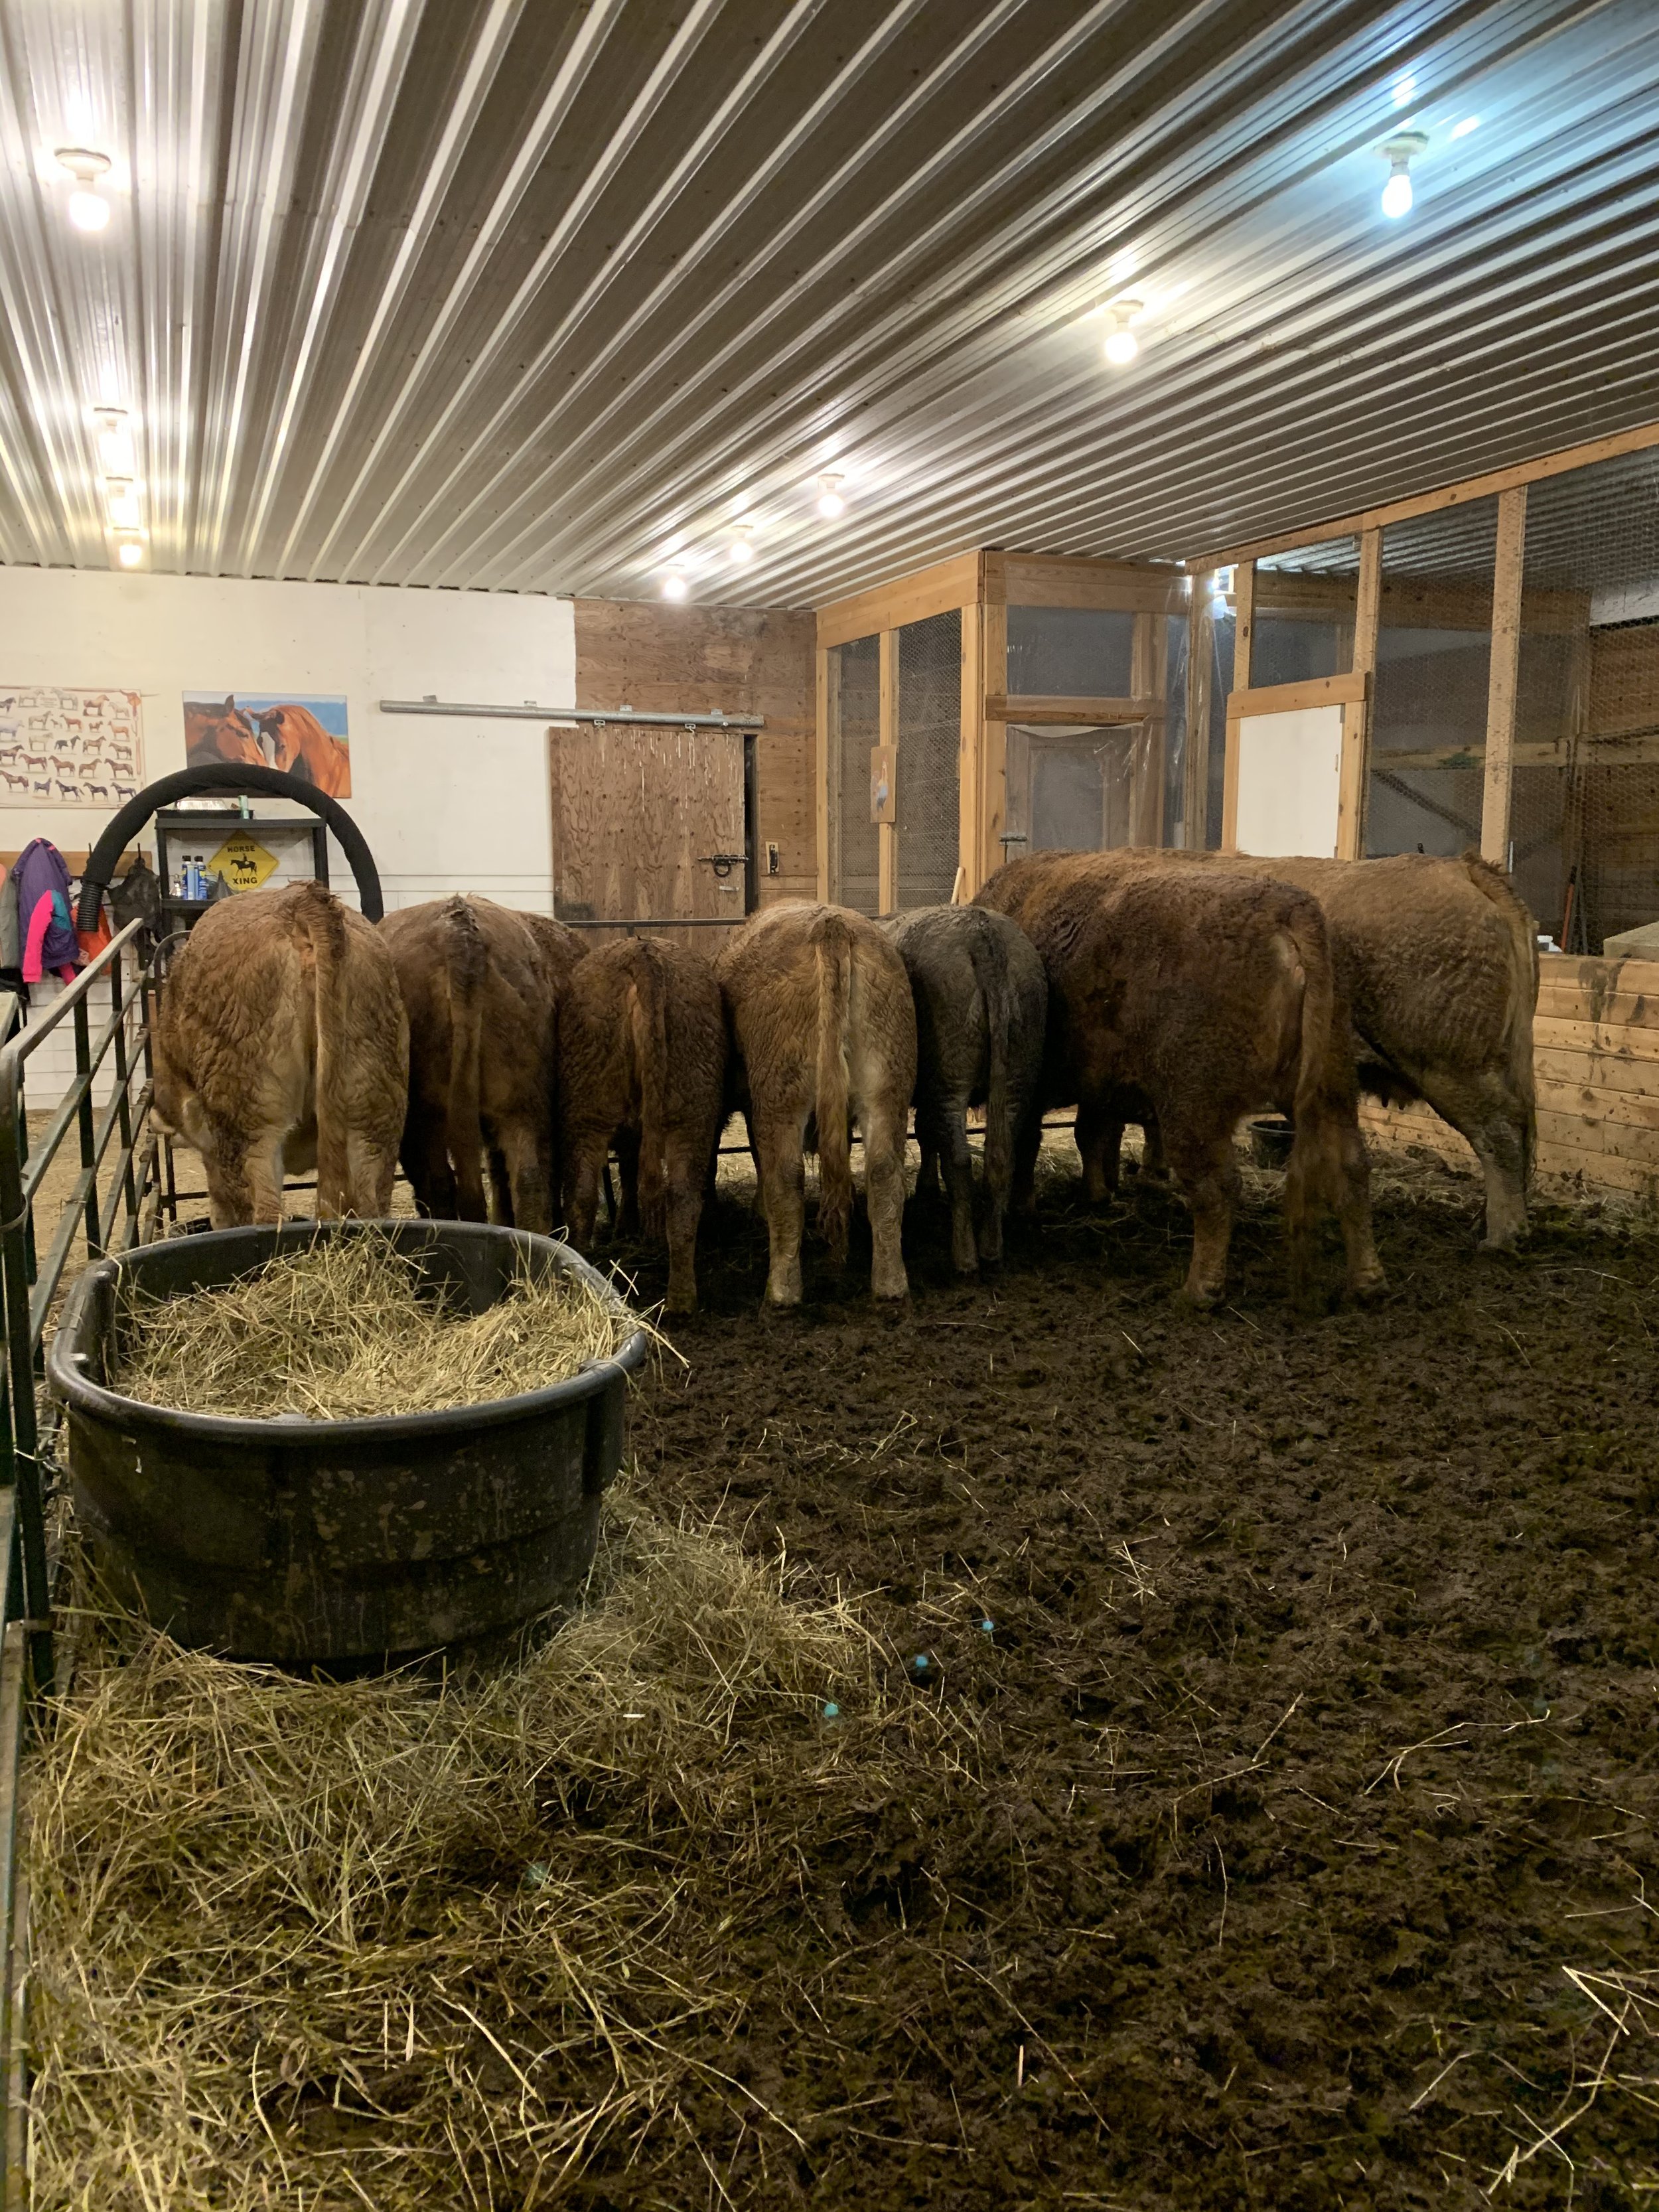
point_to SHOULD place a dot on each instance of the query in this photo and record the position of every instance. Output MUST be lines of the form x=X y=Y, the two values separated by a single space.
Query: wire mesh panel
x=1584 y=816
x=926 y=767
x=1070 y=653
x=1222 y=629
x=1429 y=698
x=1305 y=602
x=854 y=728
x=1177 y=648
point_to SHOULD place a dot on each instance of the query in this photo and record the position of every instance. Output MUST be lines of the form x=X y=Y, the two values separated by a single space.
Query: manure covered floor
x=1314 y=1863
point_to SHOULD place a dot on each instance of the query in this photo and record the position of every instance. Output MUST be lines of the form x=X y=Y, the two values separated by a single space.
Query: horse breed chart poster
x=62 y=748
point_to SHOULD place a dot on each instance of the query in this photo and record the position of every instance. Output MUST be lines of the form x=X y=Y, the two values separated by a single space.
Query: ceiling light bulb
x=114 y=453
x=129 y=552
x=1122 y=344
x=673 y=588
x=831 y=504
x=87 y=209
x=121 y=497
x=1399 y=152
x=743 y=547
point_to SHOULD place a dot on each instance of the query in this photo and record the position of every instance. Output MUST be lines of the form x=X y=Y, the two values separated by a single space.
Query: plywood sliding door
x=648 y=824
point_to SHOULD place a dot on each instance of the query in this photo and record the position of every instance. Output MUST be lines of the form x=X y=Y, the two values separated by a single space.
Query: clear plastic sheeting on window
x=1429 y=695
x=854 y=719
x=1081 y=789
x=1584 y=811
x=928 y=767
x=1070 y=653
x=1177 y=648
x=1305 y=603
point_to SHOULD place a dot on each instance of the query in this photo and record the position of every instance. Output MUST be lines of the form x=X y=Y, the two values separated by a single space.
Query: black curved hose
x=234 y=776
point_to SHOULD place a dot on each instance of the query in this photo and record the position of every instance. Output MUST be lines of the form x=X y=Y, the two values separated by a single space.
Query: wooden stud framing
x=828 y=689
x=1495 y=481
x=994 y=754
x=969 y=781
x=1044 y=708
x=1507 y=579
x=1244 y=623
x=887 y=833
x=1229 y=782
x=1355 y=780
x=932 y=591
x=1288 y=698
x=1201 y=653
x=1150 y=655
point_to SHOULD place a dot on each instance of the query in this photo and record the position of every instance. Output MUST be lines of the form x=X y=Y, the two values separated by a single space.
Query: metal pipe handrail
x=530 y=712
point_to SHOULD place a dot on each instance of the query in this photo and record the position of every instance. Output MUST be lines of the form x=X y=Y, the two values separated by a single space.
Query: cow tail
x=464 y=966
x=1492 y=884
x=648 y=1031
x=324 y=923
x=832 y=943
x=990 y=964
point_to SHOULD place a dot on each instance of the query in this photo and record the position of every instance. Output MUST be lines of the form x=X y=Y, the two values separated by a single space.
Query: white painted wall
x=1289 y=781
x=446 y=805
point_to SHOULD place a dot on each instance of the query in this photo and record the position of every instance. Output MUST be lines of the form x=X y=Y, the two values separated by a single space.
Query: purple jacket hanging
x=42 y=878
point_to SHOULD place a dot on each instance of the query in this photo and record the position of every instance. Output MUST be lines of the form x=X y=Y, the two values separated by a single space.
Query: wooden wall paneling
x=935 y=591
x=735 y=660
x=1045 y=580
x=889 y=833
x=1244 y=623
x=828 y=752
x=970 y=760
x=1507 y=579
x=1200 y=650
x=993 y=753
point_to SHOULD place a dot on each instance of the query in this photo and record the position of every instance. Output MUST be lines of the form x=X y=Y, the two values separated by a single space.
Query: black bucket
x=1271 y=1141
x=339 y=1544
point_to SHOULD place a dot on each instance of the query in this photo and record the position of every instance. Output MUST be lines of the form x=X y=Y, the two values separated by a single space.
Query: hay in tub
x=343 y=1330
x=468 y=1945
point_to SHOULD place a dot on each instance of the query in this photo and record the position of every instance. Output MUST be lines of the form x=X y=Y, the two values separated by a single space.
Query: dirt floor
x=1309 y=1665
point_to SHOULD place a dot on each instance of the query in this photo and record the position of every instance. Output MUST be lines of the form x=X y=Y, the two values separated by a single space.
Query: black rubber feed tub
x=339 y=1544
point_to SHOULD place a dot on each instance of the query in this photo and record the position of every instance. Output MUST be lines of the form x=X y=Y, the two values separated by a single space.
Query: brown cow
x=280 y=1042
x=825 y=1029
x=221 y=733
x=482 y=985
x=642 y=1063
x=300 y=746
x=1199 y=997
x=1438 y=959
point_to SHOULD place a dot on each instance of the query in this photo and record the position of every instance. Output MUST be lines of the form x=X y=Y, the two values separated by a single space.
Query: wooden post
x=1201 y=653
x=971 y=762
x=1149 y=658
x=828 y=716
x=1354 y=786
x=1244 y=623
x=887 y=833
x=994 y=767
x=1507 y=580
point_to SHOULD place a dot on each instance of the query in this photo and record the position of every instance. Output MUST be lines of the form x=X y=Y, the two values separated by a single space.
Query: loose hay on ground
x=343 y=1331
x=403 y=1945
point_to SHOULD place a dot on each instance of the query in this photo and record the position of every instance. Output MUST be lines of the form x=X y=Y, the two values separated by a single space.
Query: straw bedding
x=396 y=1944
x=342 y=1331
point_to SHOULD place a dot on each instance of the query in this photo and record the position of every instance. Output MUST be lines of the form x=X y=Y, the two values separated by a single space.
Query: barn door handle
x=721 y=862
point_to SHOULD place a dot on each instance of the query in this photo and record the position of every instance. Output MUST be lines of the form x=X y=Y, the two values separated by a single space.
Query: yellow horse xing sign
x=243 y=862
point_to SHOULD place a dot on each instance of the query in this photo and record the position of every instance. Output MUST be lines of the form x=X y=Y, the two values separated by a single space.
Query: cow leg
x=586 y=1160
x=1329 y=1161
x=782 y=1170
x=1208 y=1172
x=626 y=1144
x=263 y=1171
x=682 y=1211
x=371 y=1168
x=1494 y=1122
x=1028 y=1143
x=883 y=1196
x=1154 y=1168
x=527 y=1179
x=1099 y=1143
x=959 y=1181
x=501 y=1210
x=230 y=1199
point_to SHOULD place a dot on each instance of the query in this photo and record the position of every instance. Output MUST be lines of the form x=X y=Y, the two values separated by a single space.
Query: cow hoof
x=1369 y=1287
x=1201 y=1300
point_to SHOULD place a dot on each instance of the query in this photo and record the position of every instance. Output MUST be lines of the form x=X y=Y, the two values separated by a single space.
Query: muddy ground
x=1315 y=1730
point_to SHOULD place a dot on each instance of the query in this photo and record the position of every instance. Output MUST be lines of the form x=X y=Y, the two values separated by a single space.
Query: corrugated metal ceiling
x=512 y=294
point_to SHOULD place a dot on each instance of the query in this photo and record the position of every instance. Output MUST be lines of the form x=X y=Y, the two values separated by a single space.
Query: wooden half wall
x=650 y=655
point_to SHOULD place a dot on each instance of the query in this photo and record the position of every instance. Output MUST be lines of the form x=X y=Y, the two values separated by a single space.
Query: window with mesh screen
x=1584 y=814
x=1177 y=640
x=1428 y=737
x=1070 y=653
x=855 y=728
x=1305 y=611
x=1221 y=629
x=926 y=767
